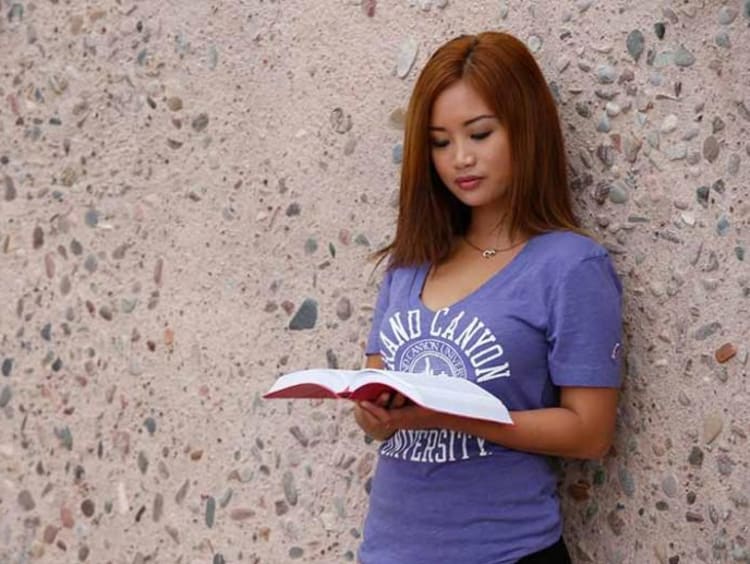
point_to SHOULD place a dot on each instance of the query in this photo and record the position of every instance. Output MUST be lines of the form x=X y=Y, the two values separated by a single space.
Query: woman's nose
x=463 y=157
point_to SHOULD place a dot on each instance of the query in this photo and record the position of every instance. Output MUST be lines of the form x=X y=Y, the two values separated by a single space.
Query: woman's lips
x=468 y=184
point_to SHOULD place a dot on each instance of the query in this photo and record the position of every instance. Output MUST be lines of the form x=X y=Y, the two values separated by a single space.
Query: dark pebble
x=150 y=425
x=660 y=29
x=701 y=195
x=210 y=512
x=87 y=507
x=75 y=247
x=281 y=508
x=306 y=316
x=583 y=109
x=331 y=359
x=299 y=435
x=38 y=237
x=293 y=209
x=5 y=396
x=696 y=456
x=10 y=189
x=200 y=122
x=92 y=218
x=7 y=366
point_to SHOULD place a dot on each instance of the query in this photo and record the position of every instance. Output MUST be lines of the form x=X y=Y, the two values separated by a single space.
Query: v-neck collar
x=515 y=263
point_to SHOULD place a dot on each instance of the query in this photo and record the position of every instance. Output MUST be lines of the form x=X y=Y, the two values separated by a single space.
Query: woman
x=489 y=278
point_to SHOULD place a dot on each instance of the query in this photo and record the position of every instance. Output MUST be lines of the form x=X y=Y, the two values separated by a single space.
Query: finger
x=399 y=400
x=368 y=423
x=377 y=412
x=383 y=399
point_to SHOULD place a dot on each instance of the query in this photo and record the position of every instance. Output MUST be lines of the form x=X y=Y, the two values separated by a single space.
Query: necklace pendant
x=489 y=253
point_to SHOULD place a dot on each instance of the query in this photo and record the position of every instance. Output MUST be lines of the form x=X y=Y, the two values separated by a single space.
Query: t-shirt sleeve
x=373 y=340
x=585 y=325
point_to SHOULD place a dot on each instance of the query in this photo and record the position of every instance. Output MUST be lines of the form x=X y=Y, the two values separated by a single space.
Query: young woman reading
x=490 y=277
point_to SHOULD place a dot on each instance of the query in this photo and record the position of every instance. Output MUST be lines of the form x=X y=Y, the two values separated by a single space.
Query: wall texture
x=188 y=193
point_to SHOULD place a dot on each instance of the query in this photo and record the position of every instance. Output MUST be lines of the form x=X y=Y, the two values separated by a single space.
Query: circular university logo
x=434 y=357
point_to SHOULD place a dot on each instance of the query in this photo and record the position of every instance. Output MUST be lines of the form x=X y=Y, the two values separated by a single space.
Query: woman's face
x=468 y=141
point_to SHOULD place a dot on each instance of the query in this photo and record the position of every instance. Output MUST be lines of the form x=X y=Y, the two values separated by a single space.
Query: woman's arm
x=582 y=427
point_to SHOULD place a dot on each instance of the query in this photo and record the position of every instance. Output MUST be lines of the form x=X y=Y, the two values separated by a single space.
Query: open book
x=446 y=394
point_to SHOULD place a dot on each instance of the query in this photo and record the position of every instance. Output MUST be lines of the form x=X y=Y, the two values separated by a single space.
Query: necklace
x=490 y=252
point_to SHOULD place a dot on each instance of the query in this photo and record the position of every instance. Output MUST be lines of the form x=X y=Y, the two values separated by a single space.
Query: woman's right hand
x=372 y=426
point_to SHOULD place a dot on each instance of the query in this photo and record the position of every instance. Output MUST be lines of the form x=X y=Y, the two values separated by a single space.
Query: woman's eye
x=477 y=137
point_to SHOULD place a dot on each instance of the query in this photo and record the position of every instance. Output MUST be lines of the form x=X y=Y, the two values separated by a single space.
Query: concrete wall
x=179 y=180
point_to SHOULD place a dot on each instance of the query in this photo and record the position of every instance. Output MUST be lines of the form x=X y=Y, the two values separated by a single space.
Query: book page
x=313 y=383
x=446 y=394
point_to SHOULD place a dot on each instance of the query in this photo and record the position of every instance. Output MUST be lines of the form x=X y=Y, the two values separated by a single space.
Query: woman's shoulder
x=568 y=246
x=556 y=254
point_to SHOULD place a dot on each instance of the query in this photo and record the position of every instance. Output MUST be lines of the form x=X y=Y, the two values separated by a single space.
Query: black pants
x=555 y=554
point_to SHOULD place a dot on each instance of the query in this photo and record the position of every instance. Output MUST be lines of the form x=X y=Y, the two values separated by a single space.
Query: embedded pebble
x=683 y=57
x=710 y=148
x=722 y=39
x=606 y=74
x=87 y=507
x=712 y=426
x=660 y=30
x=200 y=122
x=604 y=125
x=635 y=43
x=406 y=56
x=25 y=500
x=397 y=153
x=5 y=396
x=174 y=103
x=669 y=486
x=306 y=316
x=696 y=456
x=676 y=152
x=618 y=193
x=727 y=15
x=705 y=331
x=733 y=164
x=722 y=227
x=535 y=43
x=669 y=124
x=343 y=308
x=210 y=511
x=724 y=353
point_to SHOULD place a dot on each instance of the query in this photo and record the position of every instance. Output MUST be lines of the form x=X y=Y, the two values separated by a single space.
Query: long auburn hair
x=504 y=73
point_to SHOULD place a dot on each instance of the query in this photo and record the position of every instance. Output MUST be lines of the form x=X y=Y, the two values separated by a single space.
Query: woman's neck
x=489 y=228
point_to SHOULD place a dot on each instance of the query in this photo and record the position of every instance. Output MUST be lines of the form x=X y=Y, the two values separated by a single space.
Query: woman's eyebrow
x=467 y=122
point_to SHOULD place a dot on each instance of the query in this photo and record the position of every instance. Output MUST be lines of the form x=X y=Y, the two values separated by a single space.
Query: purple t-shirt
x=550 y=318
